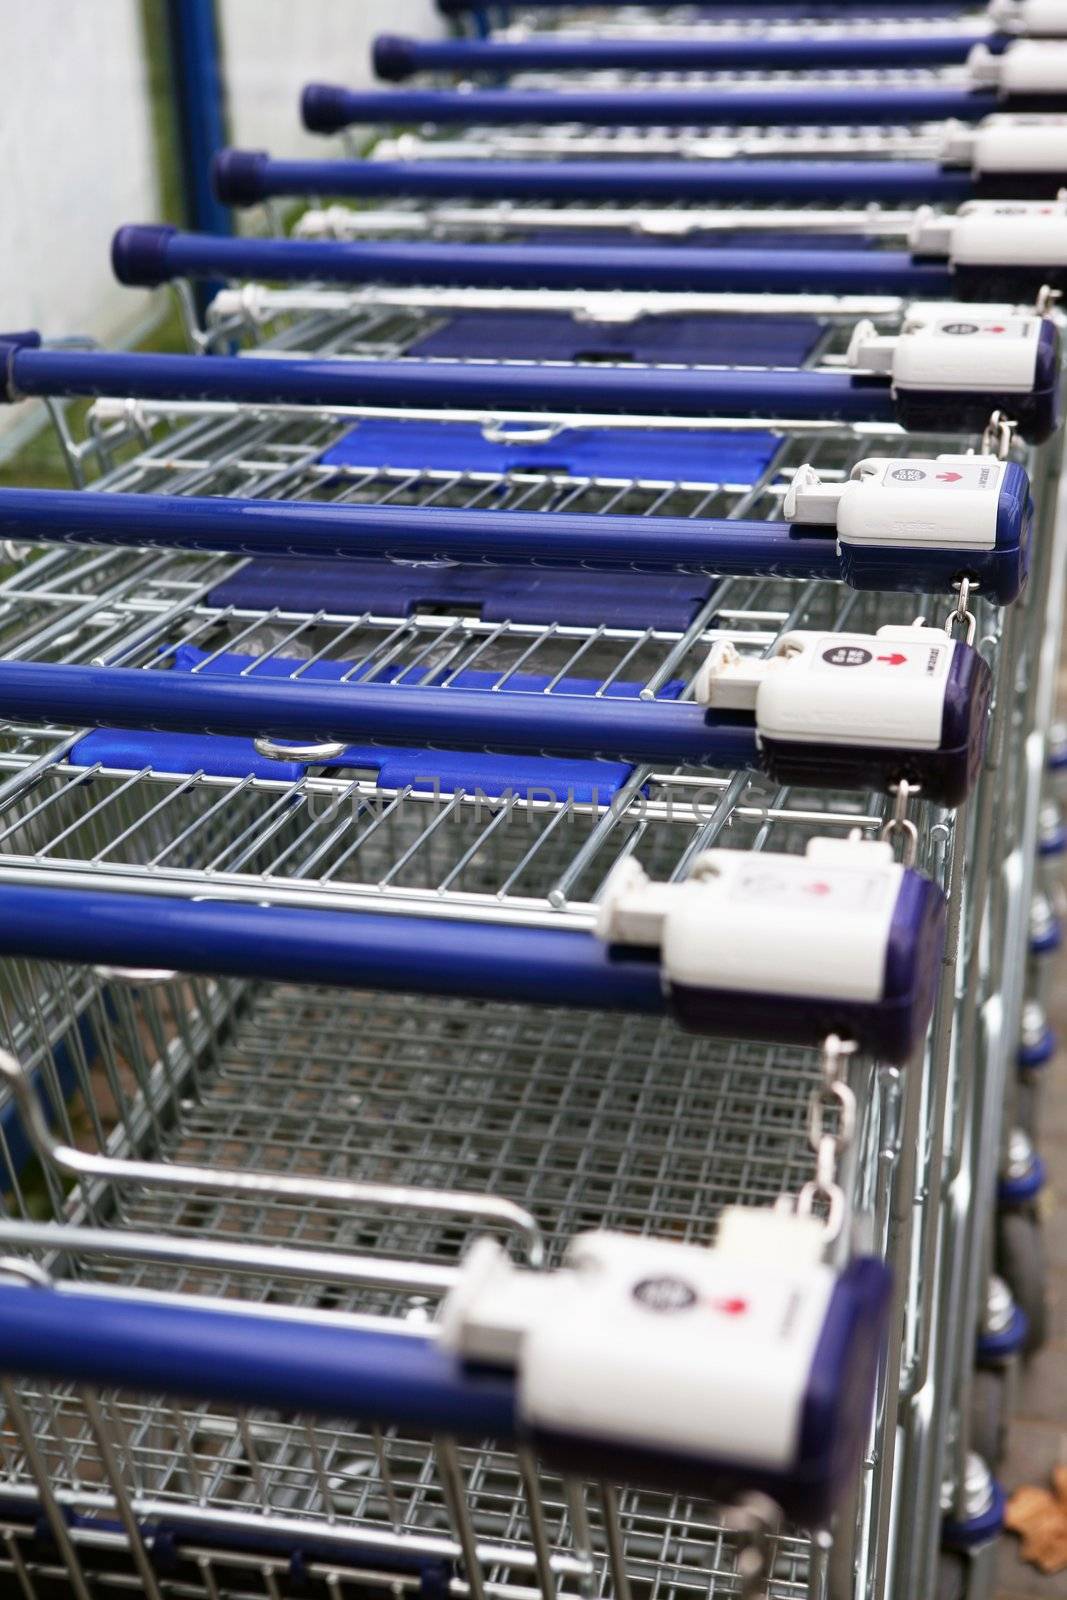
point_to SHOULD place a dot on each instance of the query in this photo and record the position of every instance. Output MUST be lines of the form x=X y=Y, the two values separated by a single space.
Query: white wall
x=77 y=159
x=273 y=47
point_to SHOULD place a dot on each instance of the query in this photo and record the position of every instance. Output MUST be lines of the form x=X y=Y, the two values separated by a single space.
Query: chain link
x=755 y=1519
x=901 y=823
x=831 y=1130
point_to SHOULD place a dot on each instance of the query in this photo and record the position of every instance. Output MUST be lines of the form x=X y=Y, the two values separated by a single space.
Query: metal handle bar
x=234 y=1358
x=148 y=255
x=280 y=527
x=674 y=391
x=498 y=538
x=401 y=1276
x=328 y=108
x=487 y=1209
x=388 y=950
x=396 y=59
x=245 y=177
x=415 y=716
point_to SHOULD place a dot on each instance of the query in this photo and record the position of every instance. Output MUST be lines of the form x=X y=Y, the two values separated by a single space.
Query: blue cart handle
x=146 y=255
x=732 y=548
x=446 y=385
x=356 y=713
x=231 y=1358
x=246 y=177
x=384 y=950
x=328 y=108
x=396 y=58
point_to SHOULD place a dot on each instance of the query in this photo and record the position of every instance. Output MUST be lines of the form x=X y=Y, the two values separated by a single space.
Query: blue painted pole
x=195 y=63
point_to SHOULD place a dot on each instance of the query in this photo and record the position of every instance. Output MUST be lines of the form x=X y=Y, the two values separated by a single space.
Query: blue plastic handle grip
x=149 y=255
x=302 y=528
x=451 y=385
x=233 y=1359
x=396 y=59
x=245 y=177
x=584 y=726
x=327 y=108
x=471 y=960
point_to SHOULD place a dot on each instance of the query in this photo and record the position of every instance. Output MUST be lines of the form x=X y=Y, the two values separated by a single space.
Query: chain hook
x=997 y=436
x=1047 y=300
x=961 y=616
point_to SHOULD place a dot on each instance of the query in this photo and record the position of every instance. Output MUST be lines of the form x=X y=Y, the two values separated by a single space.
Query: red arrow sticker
x=729 y=1308
x=949 y=477
x=895 y=660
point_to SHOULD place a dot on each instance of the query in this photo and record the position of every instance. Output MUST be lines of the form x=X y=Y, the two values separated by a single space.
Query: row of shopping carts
x=529 y=838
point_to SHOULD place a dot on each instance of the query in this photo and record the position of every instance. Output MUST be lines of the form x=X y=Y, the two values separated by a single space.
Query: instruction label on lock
x=946 y=502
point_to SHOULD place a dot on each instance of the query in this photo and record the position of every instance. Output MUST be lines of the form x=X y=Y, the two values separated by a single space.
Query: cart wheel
x=1021 y=1263
x=953 y=1573
x=989 y=1419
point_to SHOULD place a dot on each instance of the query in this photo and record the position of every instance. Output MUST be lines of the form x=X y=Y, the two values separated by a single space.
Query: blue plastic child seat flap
x=663 y=455
x=694 y=341
x=497 y=594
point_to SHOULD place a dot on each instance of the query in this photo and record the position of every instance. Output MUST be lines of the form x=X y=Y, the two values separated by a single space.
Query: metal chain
x=831 y=1130
x=997 y=436
x=961 y=616
x=755 y=1519
x=901 y=823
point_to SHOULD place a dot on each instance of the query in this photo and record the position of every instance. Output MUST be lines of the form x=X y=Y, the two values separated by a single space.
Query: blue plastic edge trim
x=1020 y=1191
x=991 y=1349
x=978 y=1530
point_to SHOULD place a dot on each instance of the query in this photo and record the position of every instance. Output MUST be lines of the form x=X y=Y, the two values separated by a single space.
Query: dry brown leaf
x=1027 y=1505
x=1040 y=1518
x=1051 y=1549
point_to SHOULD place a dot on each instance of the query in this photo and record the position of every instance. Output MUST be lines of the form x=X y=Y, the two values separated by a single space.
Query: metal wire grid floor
x=504 y=218
x=696 y=21
x=546 y=79
x=702 y=142
x=592 y=1123
x=272 y=453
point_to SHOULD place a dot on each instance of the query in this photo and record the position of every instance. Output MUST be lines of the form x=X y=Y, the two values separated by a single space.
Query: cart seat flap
x=496 y=594
x=695 y=341
x=659 y=455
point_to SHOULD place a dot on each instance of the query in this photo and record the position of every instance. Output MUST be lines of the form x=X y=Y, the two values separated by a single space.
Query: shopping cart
x=284 y=875
x=432 y=862
x=182 y=816
x=179 y=829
